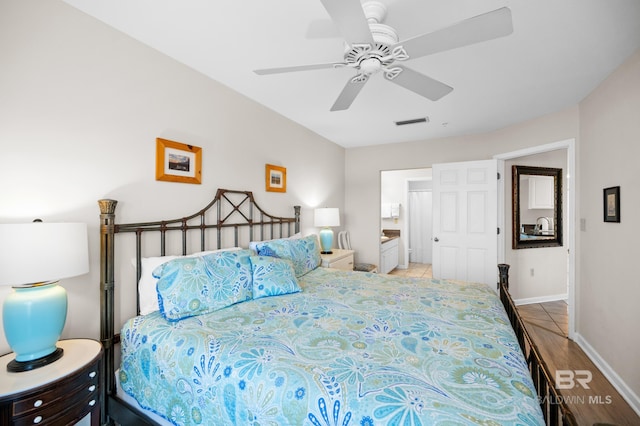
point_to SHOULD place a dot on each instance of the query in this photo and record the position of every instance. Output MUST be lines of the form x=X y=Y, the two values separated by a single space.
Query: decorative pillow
x=253 y=245
x=304 y=253
x=273 y=276
x=190 y=286
x=147 y=284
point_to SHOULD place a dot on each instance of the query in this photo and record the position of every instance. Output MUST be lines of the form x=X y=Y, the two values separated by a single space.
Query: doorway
x=506 y=254
x=420 y=226
x=395 y=190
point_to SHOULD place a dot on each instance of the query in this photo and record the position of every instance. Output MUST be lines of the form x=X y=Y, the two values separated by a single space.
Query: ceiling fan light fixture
x=370 y=66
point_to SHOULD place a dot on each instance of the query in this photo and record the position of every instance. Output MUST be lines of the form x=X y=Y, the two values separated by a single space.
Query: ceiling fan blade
x=348 y=94
x=350 y=19
x=420 y=83
x=298 y=68
x=483 y=27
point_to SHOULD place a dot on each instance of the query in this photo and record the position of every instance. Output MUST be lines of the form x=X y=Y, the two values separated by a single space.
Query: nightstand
x=340 y=259
x=60 y=393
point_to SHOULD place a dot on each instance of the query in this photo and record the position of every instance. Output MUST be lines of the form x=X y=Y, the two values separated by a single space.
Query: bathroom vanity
x=389 y=253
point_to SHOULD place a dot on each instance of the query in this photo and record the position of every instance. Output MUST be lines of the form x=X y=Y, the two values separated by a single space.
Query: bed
x=251 y=330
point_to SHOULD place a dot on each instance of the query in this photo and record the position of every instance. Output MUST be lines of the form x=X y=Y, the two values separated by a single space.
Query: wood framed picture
x=178 y=162
x=611 y=202
x=276 y=178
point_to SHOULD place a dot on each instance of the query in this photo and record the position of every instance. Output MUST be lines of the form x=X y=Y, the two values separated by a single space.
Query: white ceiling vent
x=412 y=121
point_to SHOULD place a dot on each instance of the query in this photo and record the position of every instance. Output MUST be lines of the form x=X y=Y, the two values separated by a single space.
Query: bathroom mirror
x=537 y=207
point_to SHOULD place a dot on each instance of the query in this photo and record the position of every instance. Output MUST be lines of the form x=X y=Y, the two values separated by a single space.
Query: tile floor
x=419 y=270
x=551 y=316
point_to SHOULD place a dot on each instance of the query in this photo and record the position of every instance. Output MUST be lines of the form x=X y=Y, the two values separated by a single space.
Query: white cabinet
x=339 y=259
x=541 y=192
x=389 y=255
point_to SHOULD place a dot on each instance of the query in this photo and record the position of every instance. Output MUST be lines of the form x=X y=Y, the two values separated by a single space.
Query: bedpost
x=503 y=271
x=296 y=209
x=107 y=234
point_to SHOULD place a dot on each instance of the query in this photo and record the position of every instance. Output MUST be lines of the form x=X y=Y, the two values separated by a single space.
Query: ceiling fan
x=372 y=46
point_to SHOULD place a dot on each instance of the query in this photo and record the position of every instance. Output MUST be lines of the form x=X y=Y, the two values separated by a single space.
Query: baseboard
x=625 y=391
x=541 y=299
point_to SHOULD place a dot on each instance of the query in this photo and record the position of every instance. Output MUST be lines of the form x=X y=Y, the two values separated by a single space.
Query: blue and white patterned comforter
x=351 y=349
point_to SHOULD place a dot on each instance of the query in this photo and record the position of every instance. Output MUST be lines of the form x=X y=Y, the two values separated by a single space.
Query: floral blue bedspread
x=350 y=349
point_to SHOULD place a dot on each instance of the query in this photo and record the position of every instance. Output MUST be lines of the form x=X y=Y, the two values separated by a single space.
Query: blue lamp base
x=17 y=366
x=34 y=317
x=326 y=240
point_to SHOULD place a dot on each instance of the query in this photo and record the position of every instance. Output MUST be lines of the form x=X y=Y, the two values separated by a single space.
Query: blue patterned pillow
x=273 y=276
x=192 y=286
x=304 y=253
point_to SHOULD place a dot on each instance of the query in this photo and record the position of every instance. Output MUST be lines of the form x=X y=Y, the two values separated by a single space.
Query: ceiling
x=558 y=53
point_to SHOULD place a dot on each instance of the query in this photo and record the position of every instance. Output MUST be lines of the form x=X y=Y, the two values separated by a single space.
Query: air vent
x=414 y=121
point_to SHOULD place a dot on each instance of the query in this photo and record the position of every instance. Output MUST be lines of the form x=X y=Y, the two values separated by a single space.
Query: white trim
x=625 y=391
x=541 y=299
x=570 y=227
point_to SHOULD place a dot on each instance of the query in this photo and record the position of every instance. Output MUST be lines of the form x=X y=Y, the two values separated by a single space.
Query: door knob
x=436 y=239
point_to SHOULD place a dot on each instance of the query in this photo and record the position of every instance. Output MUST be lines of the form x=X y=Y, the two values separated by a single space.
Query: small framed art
x=611 y=202
x=178 y=162
x=276 y=178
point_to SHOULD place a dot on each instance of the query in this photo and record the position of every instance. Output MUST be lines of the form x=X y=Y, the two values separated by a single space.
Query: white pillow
x=253 y=244
x=147 y=284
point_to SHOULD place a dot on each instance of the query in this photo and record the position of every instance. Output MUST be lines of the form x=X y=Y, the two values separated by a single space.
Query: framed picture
x=178 y=162
x=611 y=204
x=276 y=178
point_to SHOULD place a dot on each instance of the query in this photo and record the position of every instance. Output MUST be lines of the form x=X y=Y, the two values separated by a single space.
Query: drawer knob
x=92 y=388
x=37 y=420
x=38 y=403
x=92 y=402
x=92 y=374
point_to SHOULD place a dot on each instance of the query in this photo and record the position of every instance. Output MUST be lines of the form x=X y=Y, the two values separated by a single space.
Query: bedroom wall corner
x=81 y=107
x=609 y=291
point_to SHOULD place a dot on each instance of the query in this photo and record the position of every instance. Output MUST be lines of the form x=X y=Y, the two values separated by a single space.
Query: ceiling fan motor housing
x=371 y=58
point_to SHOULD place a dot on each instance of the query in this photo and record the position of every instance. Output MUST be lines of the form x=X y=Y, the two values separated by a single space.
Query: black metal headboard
x=231 y=215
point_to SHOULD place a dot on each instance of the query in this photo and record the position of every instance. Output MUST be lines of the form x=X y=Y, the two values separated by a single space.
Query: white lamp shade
x=40 y=252
x=326 y=217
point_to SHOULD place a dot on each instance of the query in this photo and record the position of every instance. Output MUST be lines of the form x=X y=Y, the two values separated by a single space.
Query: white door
x=465 y=221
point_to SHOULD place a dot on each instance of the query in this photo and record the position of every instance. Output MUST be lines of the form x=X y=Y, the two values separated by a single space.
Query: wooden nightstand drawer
x=74 y=409
x=77 y=386
x=60 y=393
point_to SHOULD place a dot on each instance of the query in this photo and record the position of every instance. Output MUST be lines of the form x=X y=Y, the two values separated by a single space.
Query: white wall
x=609 y=291
x=81 y=106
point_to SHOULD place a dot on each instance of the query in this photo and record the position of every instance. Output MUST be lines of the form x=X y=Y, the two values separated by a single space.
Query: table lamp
x=325 y=218
x=33 y=257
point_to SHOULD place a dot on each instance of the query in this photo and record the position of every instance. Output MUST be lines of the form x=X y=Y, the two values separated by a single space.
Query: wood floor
x=547 y=324
x=600 y=403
